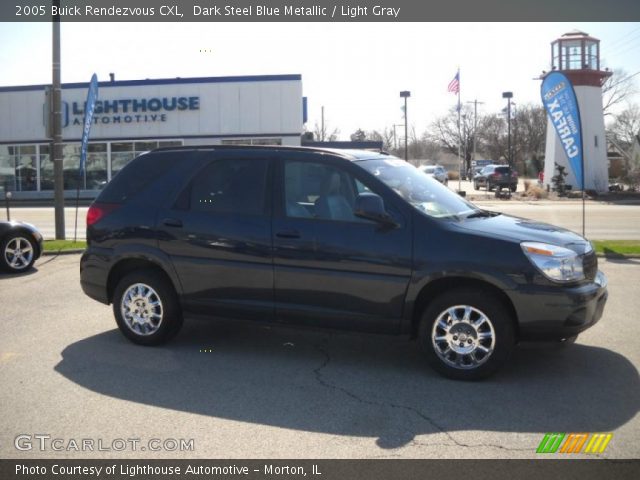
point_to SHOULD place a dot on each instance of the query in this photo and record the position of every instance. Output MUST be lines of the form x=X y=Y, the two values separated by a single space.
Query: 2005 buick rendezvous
x=341 y=239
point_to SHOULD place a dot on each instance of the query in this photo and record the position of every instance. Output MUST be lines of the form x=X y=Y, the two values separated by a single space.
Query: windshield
x=419 y=189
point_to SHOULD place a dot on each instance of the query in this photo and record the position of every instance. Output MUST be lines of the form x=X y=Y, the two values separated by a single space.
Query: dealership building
x=134 y=116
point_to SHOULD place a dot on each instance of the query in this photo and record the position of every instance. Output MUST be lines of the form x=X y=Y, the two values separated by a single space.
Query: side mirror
x=371 y=207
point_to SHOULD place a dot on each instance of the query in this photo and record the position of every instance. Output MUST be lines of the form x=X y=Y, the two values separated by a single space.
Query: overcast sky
x=355 y=70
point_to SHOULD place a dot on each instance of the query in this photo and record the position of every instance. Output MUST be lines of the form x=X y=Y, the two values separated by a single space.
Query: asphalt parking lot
x=251 y=391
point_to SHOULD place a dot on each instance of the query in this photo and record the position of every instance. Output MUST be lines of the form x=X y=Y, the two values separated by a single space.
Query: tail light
x=98 y=211
x=514 y=173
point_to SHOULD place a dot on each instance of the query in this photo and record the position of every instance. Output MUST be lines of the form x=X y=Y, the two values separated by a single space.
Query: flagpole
x=459 y=138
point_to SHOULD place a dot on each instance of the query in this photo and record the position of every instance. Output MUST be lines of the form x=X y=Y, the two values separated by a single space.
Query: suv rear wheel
x=146 y=308
x=466 y=334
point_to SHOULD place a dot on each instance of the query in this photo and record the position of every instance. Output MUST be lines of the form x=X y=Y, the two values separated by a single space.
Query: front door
x=331 y=267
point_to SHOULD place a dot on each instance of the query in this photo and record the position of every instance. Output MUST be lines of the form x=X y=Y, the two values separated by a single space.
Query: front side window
x=320 y=190
x=420 y=190
x=232 y=186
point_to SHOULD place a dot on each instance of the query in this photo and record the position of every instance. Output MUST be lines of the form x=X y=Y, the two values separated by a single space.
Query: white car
x=436 y=171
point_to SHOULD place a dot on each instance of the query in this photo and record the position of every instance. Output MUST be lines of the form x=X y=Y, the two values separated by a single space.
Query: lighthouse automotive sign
x=559 y=99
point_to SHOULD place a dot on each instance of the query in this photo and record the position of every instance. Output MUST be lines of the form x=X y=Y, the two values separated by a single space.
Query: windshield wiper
x=482 y=213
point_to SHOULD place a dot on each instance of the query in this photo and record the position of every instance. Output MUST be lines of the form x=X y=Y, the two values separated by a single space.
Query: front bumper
x=554 y=313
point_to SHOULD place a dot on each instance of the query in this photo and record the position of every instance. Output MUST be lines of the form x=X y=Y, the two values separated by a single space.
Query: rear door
x=332 y=268
x=218 y=235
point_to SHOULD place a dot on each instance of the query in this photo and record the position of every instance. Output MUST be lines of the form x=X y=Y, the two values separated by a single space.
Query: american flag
x=454 y=85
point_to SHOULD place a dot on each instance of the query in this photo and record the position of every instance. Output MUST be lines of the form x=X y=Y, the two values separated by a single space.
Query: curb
x=614 y=256
x=49 y=253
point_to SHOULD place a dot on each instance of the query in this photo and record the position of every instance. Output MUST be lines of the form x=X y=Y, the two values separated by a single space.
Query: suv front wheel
x=466 y=334
x=146 y=308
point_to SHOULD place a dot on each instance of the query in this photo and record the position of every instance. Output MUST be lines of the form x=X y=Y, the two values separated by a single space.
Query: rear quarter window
x=138 y=176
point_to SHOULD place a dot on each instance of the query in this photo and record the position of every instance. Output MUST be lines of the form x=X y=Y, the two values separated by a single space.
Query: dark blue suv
x=341 y=239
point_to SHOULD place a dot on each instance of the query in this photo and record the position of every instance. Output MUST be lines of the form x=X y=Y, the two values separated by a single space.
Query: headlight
x=556 y=263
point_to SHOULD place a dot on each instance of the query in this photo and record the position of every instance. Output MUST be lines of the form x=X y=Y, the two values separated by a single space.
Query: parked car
x=436 y=171
x=342 y=239
x=20 y=245
x=496 y=176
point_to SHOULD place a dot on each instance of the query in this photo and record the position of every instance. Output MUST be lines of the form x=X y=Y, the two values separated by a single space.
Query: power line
x=623 y=37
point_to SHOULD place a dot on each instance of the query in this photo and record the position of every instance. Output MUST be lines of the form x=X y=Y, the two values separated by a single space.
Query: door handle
x=172 y=222
x=288 y=234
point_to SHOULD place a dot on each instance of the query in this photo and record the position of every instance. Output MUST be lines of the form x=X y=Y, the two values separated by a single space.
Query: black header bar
x=319 y=10
x=319 y=469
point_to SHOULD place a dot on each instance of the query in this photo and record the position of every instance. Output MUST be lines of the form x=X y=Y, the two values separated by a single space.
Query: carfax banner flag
x=92 y=95
x=559 y=99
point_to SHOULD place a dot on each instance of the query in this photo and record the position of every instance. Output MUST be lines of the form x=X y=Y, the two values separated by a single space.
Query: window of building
x=252 y=141
x=19 y=164
x=7 y=168
x=95 y=176
x=46 y=168
x=230 y=186
x=121 y=154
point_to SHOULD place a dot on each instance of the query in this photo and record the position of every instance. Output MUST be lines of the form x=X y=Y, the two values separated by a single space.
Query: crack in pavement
x=317 y=371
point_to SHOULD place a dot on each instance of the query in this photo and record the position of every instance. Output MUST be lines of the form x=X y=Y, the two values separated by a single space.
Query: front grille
x=590 y=265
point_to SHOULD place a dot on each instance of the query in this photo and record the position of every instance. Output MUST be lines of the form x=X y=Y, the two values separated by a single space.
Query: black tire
x=170 y=312
x=475 y=186
x=513 y=188
x=26 y=241
x=489 y=187
x=498 y=319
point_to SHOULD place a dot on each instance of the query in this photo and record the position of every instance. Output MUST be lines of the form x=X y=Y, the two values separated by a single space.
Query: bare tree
x=625 y=127
x=530 y=127
x=617 y=88
x=492 y=136
x=321 y=133
x=387 y=138
x=358 y=136
x=444 y=131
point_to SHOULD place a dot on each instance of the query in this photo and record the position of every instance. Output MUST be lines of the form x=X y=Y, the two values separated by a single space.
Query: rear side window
x=137 y=176
x=236 y=186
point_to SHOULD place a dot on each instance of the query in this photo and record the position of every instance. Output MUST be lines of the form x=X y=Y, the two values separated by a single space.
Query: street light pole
x=405 y=94
x=508 y=96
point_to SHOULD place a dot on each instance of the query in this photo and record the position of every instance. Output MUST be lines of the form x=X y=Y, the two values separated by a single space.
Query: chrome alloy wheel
x=141 y=309
x=18 y=253
x=463 y=337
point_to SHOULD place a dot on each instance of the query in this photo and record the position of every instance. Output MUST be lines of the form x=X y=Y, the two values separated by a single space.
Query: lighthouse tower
x=577 y=55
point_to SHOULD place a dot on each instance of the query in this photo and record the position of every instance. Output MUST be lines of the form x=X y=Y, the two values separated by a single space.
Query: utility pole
x=475 y=124
x=406 y=94
x=56 y=132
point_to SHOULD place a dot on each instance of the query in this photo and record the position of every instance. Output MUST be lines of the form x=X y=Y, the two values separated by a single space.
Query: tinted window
x=137 y=176
x=503 y=170
x=317 y=190
x=230 y=186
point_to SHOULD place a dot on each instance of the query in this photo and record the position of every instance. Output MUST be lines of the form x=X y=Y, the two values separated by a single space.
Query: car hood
x=518 y=230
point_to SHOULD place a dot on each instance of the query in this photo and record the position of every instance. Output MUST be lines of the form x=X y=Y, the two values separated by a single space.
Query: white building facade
x=135 y=116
